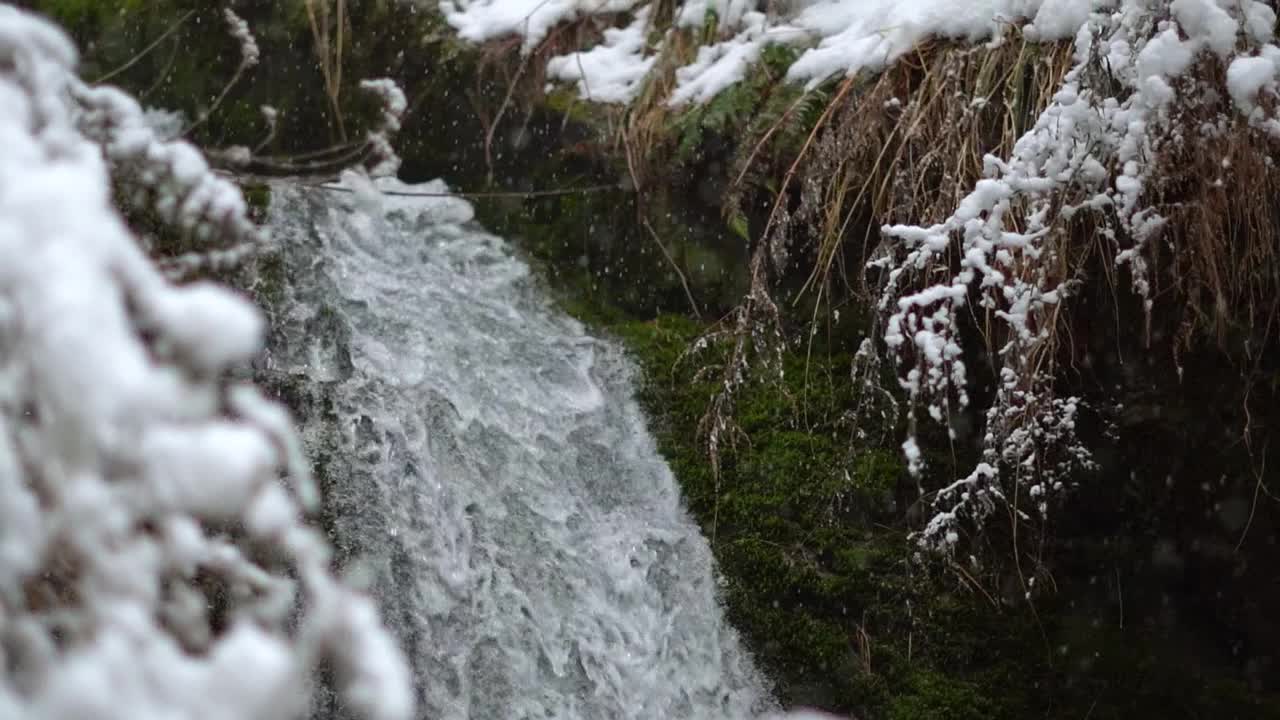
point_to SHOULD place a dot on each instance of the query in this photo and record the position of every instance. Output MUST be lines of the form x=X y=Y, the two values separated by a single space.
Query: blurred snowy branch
x=394 y=105
x=154 y=561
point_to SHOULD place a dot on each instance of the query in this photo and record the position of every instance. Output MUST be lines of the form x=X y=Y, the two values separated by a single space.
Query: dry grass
x=330 y=27
x=904 y=145
x=522 y=75
x=909 y=147
x=1218 y=192
x=645 y=128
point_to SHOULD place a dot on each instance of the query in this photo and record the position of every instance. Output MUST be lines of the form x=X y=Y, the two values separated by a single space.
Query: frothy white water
x=489 y=469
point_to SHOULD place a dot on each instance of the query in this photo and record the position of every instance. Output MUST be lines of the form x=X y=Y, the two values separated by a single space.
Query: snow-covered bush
x=154 y=559
x=1012 y=246
x=1151 y=88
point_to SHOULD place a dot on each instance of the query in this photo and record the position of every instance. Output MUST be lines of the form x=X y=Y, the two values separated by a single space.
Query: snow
x=845 y=37
x=1246 y=77
x=1165 y=56
x=1206 y=21
x=613 y=71
x=720 y=65
x=165 y=124
x=840 y=36
x=532 y=20
x=173 y=173
x=1058 y=19
x=856 y=35
x=213 y=470
x=210 y=328
x=249 y=675
x=249 y=53
x=1259 y=22
x=394 y=105
x=394 y=102
x=131 y=465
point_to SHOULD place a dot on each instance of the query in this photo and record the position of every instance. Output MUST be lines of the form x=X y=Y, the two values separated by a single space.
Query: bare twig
x=147 y=50
x=1253 y=508
x=257 y=179
x=328 y=56
x=684 y=281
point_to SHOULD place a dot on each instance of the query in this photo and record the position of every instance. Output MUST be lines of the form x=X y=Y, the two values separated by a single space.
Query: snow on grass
x=613 y=71
x=839 y=37
x=1092 y=150
x=1006 y=229
x=1246 y=78
x=845 y=36
x=480 y=20
x=720 y=65
x=855 y=35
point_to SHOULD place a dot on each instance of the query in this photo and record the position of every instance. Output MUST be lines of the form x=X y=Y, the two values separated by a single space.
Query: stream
x=490 y=477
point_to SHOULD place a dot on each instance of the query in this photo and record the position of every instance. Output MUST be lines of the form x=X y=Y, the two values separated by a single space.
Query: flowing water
x=489 y=470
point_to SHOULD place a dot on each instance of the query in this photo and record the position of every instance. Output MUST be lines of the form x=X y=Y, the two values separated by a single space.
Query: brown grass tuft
x=1217 y=186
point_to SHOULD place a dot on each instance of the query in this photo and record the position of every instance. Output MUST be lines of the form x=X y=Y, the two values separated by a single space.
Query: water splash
x=489 y=470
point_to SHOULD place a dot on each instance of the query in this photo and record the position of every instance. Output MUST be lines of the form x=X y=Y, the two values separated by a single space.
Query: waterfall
x=488 y=472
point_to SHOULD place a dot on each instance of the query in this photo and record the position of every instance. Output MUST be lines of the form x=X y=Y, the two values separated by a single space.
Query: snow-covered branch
x=394 y=105
x=1091 y=151
x=154 y=559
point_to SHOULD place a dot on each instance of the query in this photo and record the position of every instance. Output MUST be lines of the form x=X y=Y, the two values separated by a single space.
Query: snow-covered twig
x=1090 y=151
x=154 y=559
x=394 y=105
x=171 y=178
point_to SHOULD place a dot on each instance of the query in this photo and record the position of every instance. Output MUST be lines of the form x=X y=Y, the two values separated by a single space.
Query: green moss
x=258 y=199
x=933 y=696
x=789 y=533
x=819 y=576
x=564 y=99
